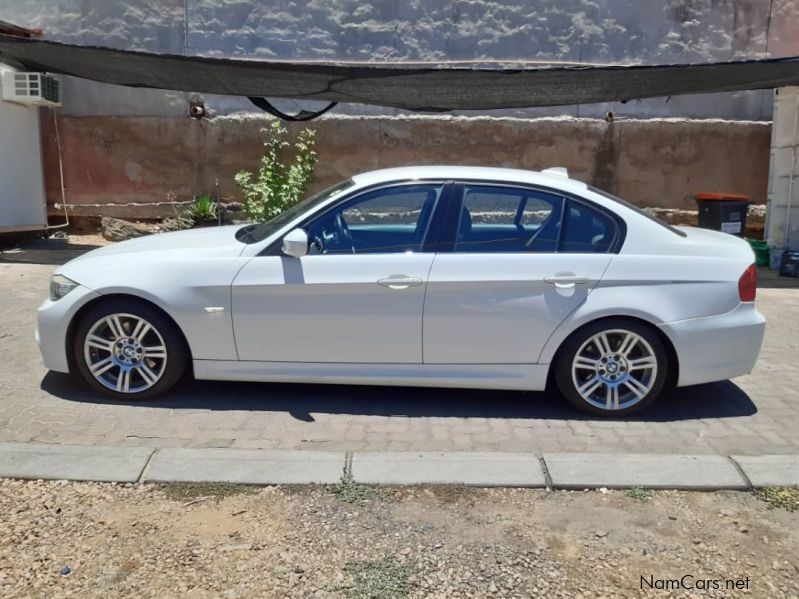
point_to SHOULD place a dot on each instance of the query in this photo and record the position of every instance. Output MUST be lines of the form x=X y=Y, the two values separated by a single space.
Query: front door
x=356 y=298
x=511 y=275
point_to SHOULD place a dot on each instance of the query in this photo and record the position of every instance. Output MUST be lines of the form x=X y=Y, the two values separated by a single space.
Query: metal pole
x=793 y=176
x=219 y=207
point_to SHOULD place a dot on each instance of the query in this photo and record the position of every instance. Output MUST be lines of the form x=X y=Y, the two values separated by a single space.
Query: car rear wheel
x=128 y=350
x=614 y=367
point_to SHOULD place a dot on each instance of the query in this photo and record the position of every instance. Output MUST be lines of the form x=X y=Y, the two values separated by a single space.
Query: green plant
x=193 y=491
x=784 y=497
x=639 y=493
x=385 y=578
x=203 y=209
x=349 y=491
x=278 y=184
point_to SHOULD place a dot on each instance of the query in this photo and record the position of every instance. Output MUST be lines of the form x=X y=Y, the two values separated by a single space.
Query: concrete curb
x=655 y=471
x=770 y=470
x=73 y=462
x=246 y=466
x=462 y=468
x=559 y=470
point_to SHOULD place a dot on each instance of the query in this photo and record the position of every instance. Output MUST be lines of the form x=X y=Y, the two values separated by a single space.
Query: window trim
x=452 y=217
x=430 y=241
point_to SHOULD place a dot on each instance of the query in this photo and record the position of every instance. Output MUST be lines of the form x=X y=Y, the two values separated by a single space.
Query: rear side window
x=586 y=230
x=507 y=219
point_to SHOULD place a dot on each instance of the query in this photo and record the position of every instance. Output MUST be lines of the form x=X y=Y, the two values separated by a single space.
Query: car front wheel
x=613 y=367
x=128 y=350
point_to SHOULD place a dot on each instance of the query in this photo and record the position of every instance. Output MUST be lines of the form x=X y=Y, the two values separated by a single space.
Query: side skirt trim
x=530 y=377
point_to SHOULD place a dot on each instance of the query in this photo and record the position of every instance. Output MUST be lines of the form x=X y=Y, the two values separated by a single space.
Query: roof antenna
x=558 y=171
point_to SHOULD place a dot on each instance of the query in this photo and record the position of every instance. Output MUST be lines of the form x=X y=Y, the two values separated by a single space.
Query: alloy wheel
x=125 y=353
x=614 y=369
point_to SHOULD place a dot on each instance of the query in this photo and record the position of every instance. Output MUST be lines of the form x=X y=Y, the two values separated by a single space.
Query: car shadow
x=717 y=400
x=44 y=251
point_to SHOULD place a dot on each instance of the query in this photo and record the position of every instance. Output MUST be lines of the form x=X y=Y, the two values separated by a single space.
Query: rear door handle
x=400 y=282
x=566 y=281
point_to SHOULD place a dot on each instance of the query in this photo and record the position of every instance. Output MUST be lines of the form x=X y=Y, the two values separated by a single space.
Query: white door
x=356 y=298
x=512 y=276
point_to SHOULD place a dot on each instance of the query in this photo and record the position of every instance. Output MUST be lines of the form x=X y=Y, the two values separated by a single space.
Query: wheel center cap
x=128 y=351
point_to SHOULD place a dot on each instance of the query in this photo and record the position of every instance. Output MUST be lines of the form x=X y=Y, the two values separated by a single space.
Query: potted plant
x=203 y=211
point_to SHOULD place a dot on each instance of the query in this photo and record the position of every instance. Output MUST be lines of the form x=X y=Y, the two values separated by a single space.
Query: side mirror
x=295 y=243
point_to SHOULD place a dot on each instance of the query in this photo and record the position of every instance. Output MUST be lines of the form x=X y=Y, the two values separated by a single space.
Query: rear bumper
x=53 y=320
x=718 y=347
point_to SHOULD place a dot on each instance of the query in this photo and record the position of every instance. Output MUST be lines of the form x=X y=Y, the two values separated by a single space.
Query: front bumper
x=53 y=318
x=715 y=348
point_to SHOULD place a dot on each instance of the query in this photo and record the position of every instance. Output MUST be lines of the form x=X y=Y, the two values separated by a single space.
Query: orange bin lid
x=722 y=195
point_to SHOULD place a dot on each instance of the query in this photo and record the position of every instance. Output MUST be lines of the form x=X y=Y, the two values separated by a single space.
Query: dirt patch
x=156 y=541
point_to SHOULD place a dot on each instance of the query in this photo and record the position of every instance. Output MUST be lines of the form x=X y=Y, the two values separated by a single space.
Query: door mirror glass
x=295 y=243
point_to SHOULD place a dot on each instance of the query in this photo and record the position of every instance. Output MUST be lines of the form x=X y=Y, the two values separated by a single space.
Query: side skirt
x=530 y=377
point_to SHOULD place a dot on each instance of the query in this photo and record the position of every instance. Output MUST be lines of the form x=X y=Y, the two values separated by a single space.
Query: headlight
x=60 y=286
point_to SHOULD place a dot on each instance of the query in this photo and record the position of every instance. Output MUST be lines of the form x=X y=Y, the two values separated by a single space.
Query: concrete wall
x=109 y=162
x=598 y=31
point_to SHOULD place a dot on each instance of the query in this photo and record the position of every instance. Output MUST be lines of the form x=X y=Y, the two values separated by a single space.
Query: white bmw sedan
x=425 y=276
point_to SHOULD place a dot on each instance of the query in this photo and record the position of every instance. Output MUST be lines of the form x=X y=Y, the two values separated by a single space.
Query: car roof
x=557 y=178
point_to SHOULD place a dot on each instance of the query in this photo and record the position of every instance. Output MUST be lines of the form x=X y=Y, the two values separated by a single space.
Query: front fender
x=195 y=293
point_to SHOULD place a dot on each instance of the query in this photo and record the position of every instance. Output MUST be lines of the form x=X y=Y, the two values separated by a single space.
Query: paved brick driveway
x=755 y=414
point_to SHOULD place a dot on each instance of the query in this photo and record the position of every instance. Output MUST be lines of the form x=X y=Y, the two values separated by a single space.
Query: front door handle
x=400 y=282
x=566 y=281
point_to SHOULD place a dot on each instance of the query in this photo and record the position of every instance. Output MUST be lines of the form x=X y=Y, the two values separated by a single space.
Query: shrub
x=203 y=209
x=638 y=493
x=784 y=497
x=278 y=184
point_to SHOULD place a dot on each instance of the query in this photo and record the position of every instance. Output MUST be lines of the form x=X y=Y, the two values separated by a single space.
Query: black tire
x=176 y=356
x=565 y=377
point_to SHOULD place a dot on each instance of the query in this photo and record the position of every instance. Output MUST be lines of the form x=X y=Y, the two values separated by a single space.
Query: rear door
x=517 y=262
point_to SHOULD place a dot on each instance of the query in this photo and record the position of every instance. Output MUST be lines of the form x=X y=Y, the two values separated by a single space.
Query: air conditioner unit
x=32 y=89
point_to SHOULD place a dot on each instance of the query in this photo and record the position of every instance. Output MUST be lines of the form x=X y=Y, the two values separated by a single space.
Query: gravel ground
x=354 y=541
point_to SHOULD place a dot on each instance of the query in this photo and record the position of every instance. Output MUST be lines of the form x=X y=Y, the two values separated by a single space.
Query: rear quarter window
x=635 y=208
x=586 y=230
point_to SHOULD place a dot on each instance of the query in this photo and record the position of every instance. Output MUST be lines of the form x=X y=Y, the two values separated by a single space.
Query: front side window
x=508 y=219
x=258 y=232
x=388 y=220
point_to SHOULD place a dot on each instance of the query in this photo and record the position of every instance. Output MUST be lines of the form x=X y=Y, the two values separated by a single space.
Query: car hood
x=169 y=255
x=217 y=240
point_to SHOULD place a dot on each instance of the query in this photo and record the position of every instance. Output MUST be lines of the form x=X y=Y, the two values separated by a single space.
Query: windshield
x=627 y=204
x=260 y=231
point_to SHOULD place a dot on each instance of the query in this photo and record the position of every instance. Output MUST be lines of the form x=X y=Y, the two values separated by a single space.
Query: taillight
x=747 y=284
